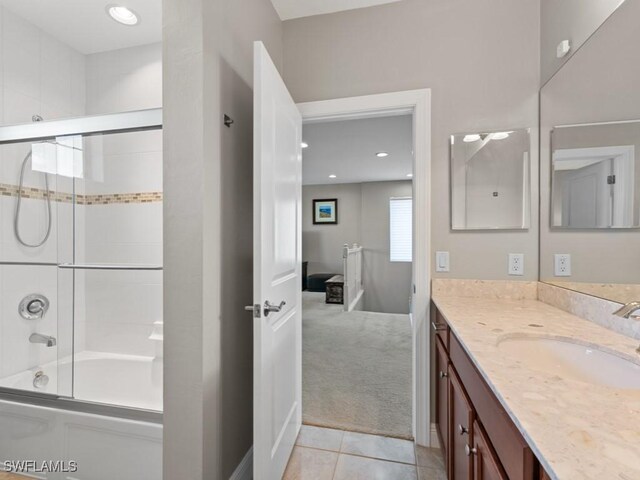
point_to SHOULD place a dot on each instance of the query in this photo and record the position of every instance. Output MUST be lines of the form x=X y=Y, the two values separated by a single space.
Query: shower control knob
x=33 y=307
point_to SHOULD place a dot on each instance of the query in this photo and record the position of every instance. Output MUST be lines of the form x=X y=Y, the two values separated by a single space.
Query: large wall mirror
x=589 y=171
x=490 y=180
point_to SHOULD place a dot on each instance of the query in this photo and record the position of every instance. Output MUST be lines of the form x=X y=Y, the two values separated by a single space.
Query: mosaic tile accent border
x=7 y=190
x=110 y=198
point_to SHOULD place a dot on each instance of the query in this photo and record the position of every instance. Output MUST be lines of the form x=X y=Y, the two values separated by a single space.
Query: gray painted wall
x=597 y=256
x=573 y=20
x=481 y=60
x=208 y=53
x=322 y=244
x=363 y=217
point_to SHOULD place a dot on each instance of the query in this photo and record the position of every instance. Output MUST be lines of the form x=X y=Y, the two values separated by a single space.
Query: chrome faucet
x=45 y=339
x=628 y=311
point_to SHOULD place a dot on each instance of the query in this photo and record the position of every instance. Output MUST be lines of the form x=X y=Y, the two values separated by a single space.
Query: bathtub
x=101 y=445
x=110 y=378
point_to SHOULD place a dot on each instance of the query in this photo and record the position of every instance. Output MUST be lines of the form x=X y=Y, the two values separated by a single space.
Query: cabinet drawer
x=440 y=326
x=514 y=453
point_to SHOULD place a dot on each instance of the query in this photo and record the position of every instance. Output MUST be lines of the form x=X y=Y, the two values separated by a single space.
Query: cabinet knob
x=462 y=430
x=468 y=450
x=443 y=374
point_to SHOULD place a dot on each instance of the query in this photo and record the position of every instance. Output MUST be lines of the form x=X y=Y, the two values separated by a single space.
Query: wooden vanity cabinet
x=461 y=428
x=486 y=465
x=442 y=396
x=478 y=438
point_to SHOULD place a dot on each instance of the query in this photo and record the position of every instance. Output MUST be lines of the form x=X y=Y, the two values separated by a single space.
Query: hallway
x=356 y=369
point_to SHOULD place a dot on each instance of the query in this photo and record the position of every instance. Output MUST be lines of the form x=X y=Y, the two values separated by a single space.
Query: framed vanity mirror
x=490 y=180
x=589 y=171
x=595 y=176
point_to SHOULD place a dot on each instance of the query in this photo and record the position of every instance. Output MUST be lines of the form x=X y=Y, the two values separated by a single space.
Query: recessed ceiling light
x=474 y=137
x=304 y=144
x=382 y=154
x=410 y=175
x=500 y=135
x=122 y=15
x=333 y=176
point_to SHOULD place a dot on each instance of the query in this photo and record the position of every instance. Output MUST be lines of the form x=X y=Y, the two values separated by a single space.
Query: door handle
x=438 y=328
x=271 y=308
x=462 y=430
x=255 y=309
x=470 y=451
x=443 y=374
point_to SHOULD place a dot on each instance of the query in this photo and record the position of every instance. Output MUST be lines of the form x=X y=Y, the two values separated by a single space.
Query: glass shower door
x=36 y=218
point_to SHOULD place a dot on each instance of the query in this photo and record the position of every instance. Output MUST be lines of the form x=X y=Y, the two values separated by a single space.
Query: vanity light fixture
x=332 y=176
x=382 y=154
x=122 y=15
x=474 y=137
x=410 y=175
x=304 y=145
x=500 y=135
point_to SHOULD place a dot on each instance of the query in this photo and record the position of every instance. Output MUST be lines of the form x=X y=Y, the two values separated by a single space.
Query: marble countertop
x=577 y=430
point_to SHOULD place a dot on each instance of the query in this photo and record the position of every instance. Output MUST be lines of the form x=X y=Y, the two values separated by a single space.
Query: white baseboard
x=433 y=437
x=244 y=470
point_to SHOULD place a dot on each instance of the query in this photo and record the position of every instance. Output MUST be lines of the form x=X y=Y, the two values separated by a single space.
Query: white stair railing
x=352 y=267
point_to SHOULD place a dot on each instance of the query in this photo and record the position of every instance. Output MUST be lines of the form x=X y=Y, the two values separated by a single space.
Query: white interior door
x=587 y=196
x=277 y=354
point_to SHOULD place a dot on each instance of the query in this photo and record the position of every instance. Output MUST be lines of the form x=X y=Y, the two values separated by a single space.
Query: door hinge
x=611 y=180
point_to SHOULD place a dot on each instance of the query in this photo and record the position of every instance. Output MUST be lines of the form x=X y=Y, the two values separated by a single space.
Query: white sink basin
x=570 y=359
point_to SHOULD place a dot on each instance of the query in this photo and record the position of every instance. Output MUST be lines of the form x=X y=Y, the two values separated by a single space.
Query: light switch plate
x=516 y=264
x=442 y=261
x=562 y=265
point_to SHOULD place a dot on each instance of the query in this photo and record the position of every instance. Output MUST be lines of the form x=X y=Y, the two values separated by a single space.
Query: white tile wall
x=40 y=75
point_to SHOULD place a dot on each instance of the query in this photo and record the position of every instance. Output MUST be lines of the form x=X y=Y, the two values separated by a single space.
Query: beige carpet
x=356 y=369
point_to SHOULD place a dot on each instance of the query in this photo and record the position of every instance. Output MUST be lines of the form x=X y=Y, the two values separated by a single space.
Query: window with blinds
x=401 y=229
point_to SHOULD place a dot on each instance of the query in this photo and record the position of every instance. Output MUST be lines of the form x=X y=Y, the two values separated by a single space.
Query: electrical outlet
x=442 y=261
x=516 y=264
x=562 y=265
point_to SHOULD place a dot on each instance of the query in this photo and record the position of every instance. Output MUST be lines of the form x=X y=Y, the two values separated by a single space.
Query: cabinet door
x=461 y=417
x=442 y=397
x=486 y=463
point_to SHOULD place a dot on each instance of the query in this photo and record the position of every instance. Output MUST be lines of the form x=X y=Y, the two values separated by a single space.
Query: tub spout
x=44 y=339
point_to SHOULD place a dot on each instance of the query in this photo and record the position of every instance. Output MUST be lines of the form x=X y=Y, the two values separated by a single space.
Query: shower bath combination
x=16 y=216
x=81 y=352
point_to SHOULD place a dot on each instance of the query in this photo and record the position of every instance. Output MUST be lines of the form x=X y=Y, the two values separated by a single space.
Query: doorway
x=415 y=104
x=357 y=199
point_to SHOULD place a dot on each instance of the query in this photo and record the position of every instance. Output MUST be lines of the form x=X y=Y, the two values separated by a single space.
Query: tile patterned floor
x=326 y=454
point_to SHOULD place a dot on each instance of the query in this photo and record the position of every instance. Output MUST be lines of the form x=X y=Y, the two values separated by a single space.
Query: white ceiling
x=288 y=9
x=348 y=150
x=85 y=26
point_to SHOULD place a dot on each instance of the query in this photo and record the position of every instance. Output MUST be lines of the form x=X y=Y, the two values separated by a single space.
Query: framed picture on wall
x=325 y=211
